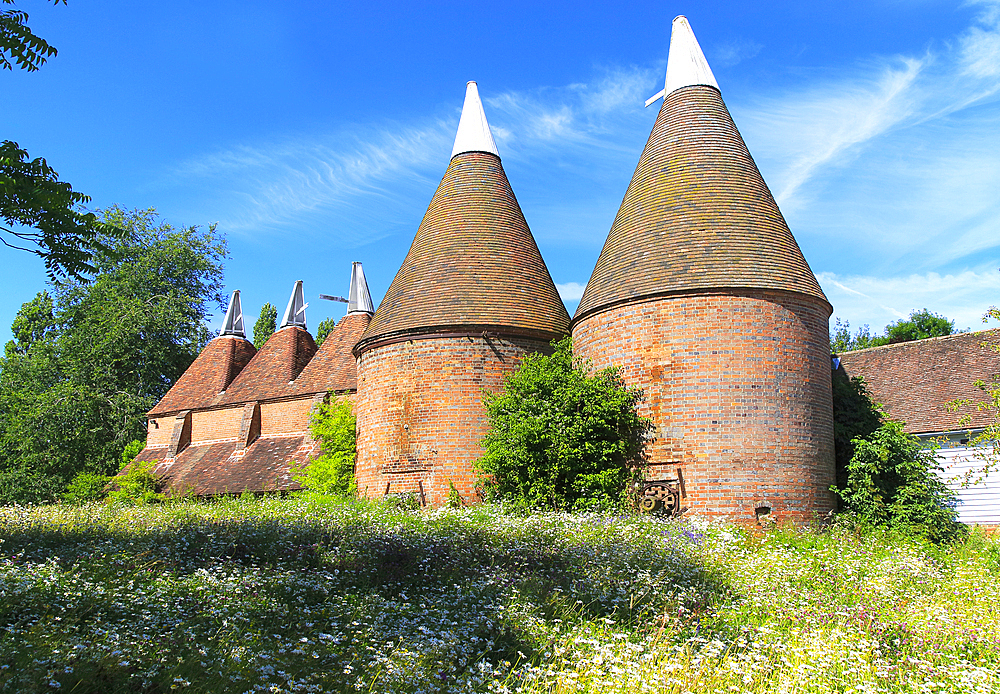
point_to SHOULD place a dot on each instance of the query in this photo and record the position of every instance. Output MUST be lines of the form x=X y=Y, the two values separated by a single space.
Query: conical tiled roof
x=473 y=264
x=697 y=214
x=270 y=373
x=204 y=382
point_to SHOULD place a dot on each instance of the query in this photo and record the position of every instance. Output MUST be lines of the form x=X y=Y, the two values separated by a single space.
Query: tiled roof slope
x=279 y=361
x=335 y=368
x=914 y=380
x=202 y=384
x=697 y=215
x=213 y=469
x=473 y=263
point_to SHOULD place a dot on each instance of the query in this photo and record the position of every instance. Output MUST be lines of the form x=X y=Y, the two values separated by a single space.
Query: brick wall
x=158 y=431
x=215 y=425
x=738 y=387
x=420 y=413
x=285 y=416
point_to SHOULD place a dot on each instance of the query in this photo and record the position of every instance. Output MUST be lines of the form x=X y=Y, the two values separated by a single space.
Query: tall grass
x=314 y=595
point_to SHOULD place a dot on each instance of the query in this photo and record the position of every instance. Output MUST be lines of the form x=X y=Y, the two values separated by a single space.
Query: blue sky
x=314 y=134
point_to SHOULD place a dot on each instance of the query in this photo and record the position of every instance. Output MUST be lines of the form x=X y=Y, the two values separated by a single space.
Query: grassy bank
x=299 y=595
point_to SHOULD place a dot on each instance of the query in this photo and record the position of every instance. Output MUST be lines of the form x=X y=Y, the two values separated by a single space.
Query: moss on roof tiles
x=472 y=264
x=697 y=215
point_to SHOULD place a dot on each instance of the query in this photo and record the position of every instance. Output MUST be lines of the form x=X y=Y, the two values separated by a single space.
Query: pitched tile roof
x=473 y=264
x=212 y=469
x=696 y=216
x=335 y=368
x=279 y=361
x=202 y=385
x=914 y=380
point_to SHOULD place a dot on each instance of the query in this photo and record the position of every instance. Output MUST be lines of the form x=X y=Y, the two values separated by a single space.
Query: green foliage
x=86 y=487
x=843 y=341
x=454 y=499
x=265 y=326
x=919 y=326
x=334 y=426
x=286 y=594
x=131 y=450
x=137 y=485
x=986 y=444
x=45 y=212
x=90 y=359
x=19 y=43
x=893 y=483
x=854 y=415
x=325 y=327
x=562 y=437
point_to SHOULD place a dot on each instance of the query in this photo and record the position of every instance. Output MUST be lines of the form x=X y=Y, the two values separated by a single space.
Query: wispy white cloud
x=730 y=53
x=570 y=291
x=878 y=301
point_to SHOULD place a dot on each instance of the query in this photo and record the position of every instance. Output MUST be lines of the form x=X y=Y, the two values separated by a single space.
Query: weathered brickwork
x=420 y=412
x=285 y=416
x=158 y=431
x=738 y=388
x=216 y=425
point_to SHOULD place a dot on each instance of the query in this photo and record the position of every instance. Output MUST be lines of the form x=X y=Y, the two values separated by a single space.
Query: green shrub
x=562 y=437
x=85 y=487
x=333 y=425
x=893 y=483
x=138 y=485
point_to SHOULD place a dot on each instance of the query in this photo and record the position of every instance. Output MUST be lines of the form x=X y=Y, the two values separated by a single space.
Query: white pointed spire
x=473 y=131
x=295 y=312
x=233 y=322
x=359 y=300
x=686 y=64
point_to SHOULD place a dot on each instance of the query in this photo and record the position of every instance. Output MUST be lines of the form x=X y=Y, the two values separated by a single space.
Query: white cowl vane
x=233 y=322
x=686 y=64
x=359 y=301
x=473 y=131
x=295 y=312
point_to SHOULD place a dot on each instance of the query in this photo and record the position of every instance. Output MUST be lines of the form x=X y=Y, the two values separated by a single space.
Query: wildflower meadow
x=310 y=594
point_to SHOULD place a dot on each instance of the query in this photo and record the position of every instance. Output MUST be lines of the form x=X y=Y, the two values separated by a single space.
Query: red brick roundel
x=420 y=412
x=738 y=386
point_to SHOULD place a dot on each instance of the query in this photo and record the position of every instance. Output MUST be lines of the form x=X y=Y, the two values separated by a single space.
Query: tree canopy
x=919 y=326
x=42 y=214
x=266 y=324
x=88 y=360
x=19 y=44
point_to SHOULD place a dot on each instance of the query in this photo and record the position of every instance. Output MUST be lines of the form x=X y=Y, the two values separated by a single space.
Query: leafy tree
x=919 y=326
x=265 y=326
x=19 y=43
x=325 y=327
x=843 y=341
x=42 y=211
x=562 y=437
x=854 y=416
x=334 y=426
x=893 y=483
x=90 y=359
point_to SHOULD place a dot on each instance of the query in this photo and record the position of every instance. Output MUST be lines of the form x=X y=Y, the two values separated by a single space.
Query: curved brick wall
x=738 y=387
x=420 y=413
